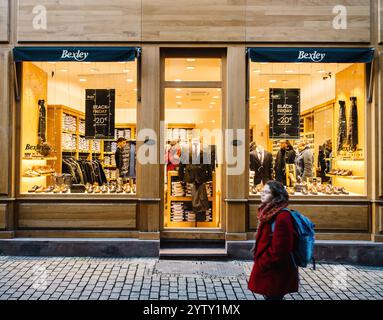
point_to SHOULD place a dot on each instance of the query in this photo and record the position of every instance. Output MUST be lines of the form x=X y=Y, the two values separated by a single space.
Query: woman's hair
x=278 y=192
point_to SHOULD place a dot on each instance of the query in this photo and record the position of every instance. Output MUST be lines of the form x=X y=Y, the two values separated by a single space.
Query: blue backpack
x=303 y=254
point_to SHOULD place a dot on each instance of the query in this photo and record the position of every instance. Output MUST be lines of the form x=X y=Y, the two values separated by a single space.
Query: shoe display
x=314 y=191
x=112 y=188
x=290 y=190
x=305 y=191
x=104 y=188
x=134 y=189
x=49 y=189
x=342 y=190
x=64 y=188
x=97 y=189
x=31 y=173
x=40 y=189
x=119 y=189
x=57 y=189
x=127 y=188
x=33 y=189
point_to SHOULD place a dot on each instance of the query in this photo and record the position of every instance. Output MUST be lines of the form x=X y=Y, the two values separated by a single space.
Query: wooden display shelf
x=345 y=177
x=174 y=198
x=188 y=224
x=69 y=132
x=41 y=158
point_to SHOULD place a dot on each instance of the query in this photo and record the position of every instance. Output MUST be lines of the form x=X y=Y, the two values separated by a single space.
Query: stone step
x=193 y=253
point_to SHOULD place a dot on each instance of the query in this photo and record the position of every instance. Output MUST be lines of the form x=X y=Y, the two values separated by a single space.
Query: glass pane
x=327 y=158
x=193 y=126
x=192 y=69
x=53 y=111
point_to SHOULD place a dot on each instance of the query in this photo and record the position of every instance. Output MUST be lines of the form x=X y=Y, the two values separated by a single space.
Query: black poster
x=99 y=113
x=284 y=113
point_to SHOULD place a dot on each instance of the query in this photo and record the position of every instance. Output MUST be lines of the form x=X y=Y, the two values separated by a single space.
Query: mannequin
x=261 y=162
x=304 y=162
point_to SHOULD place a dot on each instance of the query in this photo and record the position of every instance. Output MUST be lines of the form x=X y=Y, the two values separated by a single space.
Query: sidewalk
x=33 y=278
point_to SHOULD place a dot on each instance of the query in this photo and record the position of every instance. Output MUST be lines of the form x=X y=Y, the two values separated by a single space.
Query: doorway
x=192 y=113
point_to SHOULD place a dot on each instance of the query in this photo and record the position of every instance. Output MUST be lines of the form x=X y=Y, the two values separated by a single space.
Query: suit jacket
x=263 y=171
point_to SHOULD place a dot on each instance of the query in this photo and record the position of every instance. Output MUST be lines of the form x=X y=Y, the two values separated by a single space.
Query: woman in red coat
x=274 y=272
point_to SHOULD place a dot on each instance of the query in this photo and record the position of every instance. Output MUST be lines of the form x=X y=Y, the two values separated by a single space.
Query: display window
x=308 y=120
x=193 y=142
x=78 y=121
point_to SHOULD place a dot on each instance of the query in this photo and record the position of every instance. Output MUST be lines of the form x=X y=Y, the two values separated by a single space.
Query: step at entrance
x=193 y=250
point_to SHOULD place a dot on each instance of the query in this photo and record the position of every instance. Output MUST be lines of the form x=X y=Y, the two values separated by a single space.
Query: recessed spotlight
x=190 y=68
x=179 y=102
x=253 y=97
x=190 y=60
x=178 y=97
x=130 y=80
x=212 y=102
x=87 y=62
x=272 y=81
x=262 y=98
x=51 y=62
x=289 y=71
x=264 y=63
x=178 y=90
x=219 y=90
x=261 y=90
x=178 y=80
x=212 y=121
x=256 y=70
x=321 y=71
x=82 y=80
x=94 y=69
x=122 y=62
x=126 y=70
x=216 y=97
x=135 y=89
x=63 y=70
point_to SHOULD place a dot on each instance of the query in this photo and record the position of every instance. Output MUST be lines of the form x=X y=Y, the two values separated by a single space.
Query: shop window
x=317 y=146
x=60 y=151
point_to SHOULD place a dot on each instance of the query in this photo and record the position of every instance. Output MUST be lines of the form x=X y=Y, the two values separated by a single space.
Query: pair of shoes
x=305 y=191
x=57 y=189
x=31 y=173
x=34 y=188
x=104 y=188
x=314 y=190
x=112 y=188
x=119 y=189
x=49 y=189
x=290 y=190
x=126 y=188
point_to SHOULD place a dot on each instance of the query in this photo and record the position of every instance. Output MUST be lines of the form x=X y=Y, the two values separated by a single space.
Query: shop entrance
x=192 y=124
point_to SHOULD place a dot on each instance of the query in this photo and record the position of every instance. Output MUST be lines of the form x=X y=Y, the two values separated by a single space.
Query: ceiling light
x=178 y=90
x=261 y=90
x=190 y=68
x=87 y=62
x=219 y=90
x=253 y=97
x=264 y=63
x=122 y=62
x=256 y=70
x=178 y=80
x=130 y=80
x=51 y=62
x=298 y=62
x=212 y=121
x=262 y=98
x=190 y=60
x=321 y=71
x=178 y=102
x=289 y=71
x=94 y=69
x=216 y=97
x=64 y=70
x=126 y=70
x=135 y=89
x=82 y=80
x=212 y=102
x=272 y=81
x=178 y=97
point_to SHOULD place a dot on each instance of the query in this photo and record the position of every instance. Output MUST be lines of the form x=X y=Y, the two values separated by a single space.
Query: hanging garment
x=352 y=136
x=42 y=121
x=132 y=161
x=200 y=201
x=342 y=131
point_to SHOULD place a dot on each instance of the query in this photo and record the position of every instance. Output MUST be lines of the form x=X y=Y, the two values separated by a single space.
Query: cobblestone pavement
x=58 y=278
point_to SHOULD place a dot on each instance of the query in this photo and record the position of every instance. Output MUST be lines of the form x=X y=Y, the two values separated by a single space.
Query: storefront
x=99 y=139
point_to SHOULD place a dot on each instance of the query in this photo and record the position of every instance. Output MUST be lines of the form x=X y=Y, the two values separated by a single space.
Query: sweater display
x=352 y=135
x=342 y=131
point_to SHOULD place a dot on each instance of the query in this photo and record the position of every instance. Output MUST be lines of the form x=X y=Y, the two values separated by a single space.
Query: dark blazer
x=263 y=172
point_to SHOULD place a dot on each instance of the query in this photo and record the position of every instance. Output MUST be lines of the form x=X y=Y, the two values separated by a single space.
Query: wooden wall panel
x=74 y=215
x=4 y=20
x=198 y=20
x=328 y=217
x=3 y=216
x=4 y=122
x=308 y=21
x=86 y=20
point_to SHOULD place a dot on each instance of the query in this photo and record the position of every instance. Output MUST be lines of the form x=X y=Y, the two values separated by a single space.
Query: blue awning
x=310 y=55
x=75 y=54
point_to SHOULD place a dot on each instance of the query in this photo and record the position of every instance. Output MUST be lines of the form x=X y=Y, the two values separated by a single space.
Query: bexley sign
x=313 y=56
x=76 y=55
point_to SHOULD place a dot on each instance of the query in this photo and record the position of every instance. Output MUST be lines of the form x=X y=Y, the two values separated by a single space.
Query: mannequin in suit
x=261 y=162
